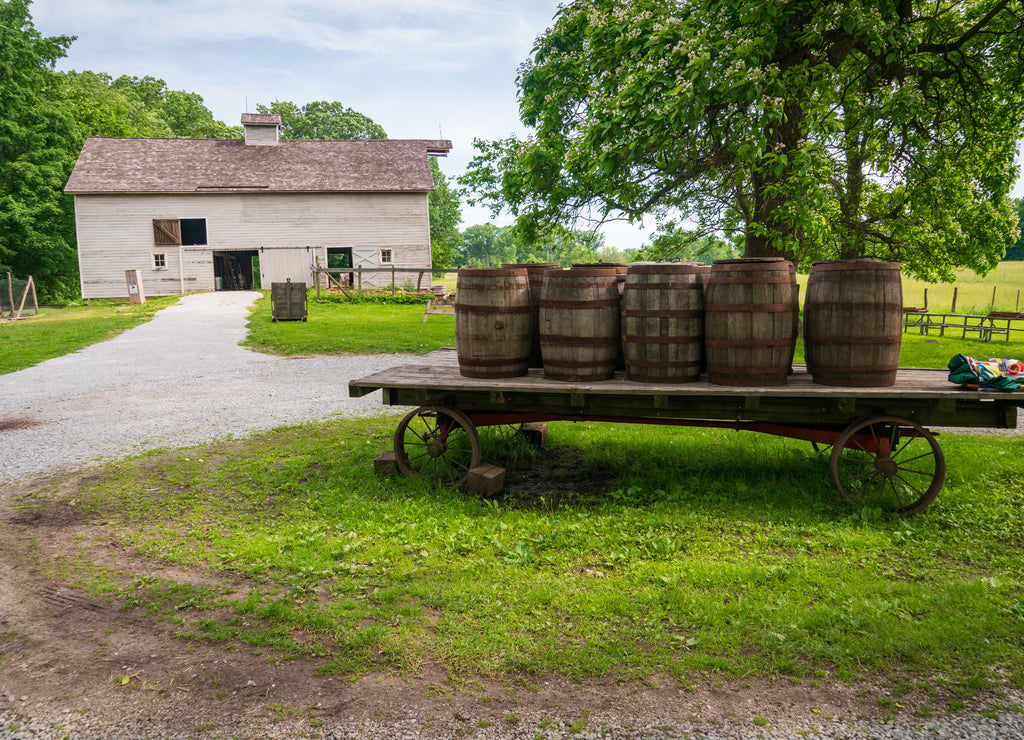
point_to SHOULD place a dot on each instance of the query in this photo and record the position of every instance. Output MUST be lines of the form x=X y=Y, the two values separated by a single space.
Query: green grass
x=60 y=331
x=335 y=327
x=973 y=293
x=697 y=554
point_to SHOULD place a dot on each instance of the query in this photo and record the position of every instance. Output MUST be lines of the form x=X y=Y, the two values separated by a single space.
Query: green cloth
x=962 y=371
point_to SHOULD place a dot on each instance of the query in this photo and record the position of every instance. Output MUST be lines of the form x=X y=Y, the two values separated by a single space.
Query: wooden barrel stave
x=494 y=322
x=579 y=324
x=853 y=323
x=750 y=326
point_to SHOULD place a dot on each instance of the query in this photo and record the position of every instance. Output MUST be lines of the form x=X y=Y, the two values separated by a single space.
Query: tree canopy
x=322 y=120
x=445 y=217
x=1016 y=252
x=488 y=245
x=812 y=129
x=37 y=150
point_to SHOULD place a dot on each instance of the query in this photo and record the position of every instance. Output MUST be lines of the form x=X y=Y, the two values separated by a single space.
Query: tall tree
x=323 y=120
x=36 y=155
x=882 y=128
x=99 y=109
x=185 y=113
x=445 y=217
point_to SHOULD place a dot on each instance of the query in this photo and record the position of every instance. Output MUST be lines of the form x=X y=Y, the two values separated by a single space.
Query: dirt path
x=77 y=658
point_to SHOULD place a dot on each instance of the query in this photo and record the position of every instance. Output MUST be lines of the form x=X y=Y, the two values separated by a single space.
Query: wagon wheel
x=821 y=448
x=437 y=443
x=874 y=465
x=503 y=431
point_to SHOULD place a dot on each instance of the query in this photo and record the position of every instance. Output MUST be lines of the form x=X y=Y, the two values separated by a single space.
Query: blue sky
x=419 y=68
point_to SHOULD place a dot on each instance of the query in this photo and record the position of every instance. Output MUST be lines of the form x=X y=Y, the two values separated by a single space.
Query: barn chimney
x=261 y=129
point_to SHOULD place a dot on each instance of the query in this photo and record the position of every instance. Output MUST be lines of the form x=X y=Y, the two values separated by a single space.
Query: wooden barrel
x=620 y=270
x=663 y=322
x=705 y=275
x=536 y=271
x=579 y=324
x=494 y=322
x=853 y=323
x=750 y=320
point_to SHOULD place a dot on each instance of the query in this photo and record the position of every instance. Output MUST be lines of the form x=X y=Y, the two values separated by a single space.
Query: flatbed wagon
x=883 y=453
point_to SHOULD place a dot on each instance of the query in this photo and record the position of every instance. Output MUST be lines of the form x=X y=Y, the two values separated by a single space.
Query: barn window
x=385 y=257
x=159 y=261
x=179 y=231
x=193 y=231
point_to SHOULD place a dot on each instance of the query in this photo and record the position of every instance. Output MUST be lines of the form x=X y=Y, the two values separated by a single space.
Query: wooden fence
x=994 y=324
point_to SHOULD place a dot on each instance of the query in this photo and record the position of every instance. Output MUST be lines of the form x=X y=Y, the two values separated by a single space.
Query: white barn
x=215 y=214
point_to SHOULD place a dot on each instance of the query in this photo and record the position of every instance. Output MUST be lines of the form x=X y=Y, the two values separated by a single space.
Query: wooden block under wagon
x=536 y=433
x=385 y=464
x=486 y=479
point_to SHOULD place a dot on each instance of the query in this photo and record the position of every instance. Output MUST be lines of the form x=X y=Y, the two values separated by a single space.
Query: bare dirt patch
x=70 y=653
x=11 y=424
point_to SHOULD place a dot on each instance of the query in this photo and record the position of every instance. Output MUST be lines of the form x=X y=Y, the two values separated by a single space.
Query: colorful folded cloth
x=993 y=374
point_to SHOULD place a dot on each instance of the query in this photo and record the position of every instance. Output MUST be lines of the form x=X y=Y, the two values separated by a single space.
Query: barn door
x=166 y=231
x=280 y=265
x=365 y=257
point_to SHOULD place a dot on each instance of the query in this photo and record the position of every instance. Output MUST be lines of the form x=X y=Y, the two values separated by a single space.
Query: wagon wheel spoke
x=858 y=460
x=437 y=443
x=910 y=485
x=879 y=477
x=923 y=456
x=821 y=448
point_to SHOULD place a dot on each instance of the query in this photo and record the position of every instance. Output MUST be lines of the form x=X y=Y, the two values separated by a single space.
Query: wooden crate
x=288 y=301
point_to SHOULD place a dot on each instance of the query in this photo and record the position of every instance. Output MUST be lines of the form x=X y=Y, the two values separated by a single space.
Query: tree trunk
x=771 y=233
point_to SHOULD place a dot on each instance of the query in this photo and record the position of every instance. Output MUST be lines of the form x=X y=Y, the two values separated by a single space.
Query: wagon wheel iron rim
x=437 y=443
x=875 y=464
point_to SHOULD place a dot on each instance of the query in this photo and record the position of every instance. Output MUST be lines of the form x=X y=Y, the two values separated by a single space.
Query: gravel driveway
x=177 y=380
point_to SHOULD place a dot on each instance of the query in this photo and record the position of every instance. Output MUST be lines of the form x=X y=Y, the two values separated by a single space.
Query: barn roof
x=116 y=165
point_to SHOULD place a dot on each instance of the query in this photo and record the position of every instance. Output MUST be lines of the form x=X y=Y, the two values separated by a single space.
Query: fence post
x=953 y=307
x=992 y=306
x=926 y=300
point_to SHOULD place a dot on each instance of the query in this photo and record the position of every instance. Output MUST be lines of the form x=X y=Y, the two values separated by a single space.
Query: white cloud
x=405 y=32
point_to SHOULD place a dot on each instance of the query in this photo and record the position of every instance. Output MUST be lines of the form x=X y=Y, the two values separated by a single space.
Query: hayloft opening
x=193 y=231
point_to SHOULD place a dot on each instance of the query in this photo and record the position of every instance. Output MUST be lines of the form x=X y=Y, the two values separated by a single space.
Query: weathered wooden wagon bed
x=883 y=454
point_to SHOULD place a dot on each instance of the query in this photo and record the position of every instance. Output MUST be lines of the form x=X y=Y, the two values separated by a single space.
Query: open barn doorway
x=236 y=270
x=339 y=258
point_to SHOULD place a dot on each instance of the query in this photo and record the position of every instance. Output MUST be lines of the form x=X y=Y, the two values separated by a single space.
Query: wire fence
x=378 y=278
x=18 y=298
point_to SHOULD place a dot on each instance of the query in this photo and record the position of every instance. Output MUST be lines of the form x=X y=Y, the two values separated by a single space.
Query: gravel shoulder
x=177 y=380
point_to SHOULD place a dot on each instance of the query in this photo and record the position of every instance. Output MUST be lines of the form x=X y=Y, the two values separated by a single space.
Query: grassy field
x=60 y=331
x=974 y=295
x=636 y=552
x=367 y=328
x=700 y=555
x=358 y=328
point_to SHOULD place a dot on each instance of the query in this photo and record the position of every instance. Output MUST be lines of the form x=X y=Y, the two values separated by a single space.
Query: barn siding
x=115 y=233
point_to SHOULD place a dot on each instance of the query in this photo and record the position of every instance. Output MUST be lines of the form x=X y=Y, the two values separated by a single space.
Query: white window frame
x=390 y=256
x=158 y=258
